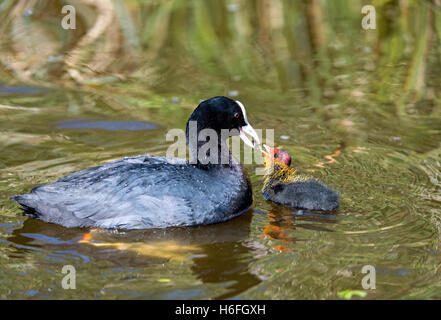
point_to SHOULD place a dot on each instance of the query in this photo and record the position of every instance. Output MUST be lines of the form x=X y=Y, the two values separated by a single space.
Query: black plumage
x=152 y=192
x=283 y=185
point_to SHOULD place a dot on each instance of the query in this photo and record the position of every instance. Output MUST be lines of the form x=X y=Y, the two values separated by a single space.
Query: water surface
x=358 y=109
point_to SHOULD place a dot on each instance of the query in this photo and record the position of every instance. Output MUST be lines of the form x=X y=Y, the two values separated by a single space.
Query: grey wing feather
x=82 y=198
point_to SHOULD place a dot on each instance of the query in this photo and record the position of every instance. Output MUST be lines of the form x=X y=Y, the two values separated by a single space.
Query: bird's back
x=140 y=193
x=304 y=194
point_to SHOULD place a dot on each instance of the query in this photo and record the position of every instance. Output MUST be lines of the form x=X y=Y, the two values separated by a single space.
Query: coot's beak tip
x=249 y=130
x=267 y=148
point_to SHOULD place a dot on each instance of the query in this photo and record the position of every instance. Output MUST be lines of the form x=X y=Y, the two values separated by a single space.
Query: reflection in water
x=359 y=108
x=164 y=249
x=215 y=252
x=283 y=221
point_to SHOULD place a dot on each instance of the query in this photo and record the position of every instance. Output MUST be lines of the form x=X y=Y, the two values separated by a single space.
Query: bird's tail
x=26 y=205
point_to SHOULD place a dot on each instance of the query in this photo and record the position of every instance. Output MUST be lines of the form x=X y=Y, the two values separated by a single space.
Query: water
x=358 y=109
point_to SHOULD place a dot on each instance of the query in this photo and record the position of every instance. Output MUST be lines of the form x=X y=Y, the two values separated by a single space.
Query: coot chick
x=146 y=192
x=283 y=185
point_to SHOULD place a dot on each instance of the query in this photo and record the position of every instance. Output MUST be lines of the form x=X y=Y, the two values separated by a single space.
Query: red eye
x=237 y=115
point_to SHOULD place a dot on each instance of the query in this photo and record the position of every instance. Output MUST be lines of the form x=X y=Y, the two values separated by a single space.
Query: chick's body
x=283 y=185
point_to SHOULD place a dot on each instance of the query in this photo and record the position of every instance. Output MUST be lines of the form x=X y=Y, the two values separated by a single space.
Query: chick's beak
x=248 y=130
x=267 y=148
x=268 y=153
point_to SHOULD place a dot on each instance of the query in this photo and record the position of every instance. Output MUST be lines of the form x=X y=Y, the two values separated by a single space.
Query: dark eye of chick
x=237 y=115
x=276 y=155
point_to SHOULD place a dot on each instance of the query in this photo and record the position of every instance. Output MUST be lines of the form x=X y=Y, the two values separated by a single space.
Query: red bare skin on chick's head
x=277 y=155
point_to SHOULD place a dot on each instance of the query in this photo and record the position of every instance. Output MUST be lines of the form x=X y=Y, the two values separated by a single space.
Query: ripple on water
x=131 y=125
x=20 y=90
x=383 y=221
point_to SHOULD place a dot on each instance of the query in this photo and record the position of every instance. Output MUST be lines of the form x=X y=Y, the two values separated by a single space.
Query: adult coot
x=156 y=192
x=283 y=185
